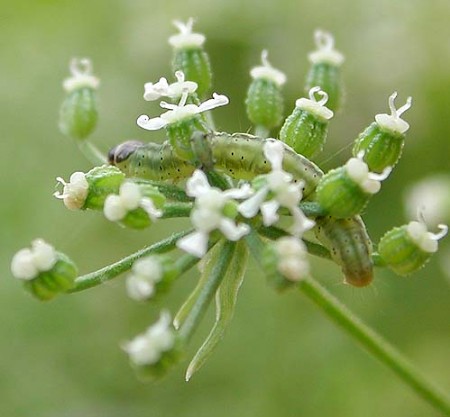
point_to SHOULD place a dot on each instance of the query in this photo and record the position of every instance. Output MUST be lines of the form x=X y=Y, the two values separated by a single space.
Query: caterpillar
x=239 y=155
x=350 y=247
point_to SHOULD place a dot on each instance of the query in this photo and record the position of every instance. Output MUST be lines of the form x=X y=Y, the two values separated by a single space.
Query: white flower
x=28 y=263
x=358 y=171
x=81 y=70
x=207 y=214
x=313 y=106
x=325 y=52
x=145 y=274
x=425 y=240
x=392 y=122
x=285 y=193
x=186 y=38
x=180 y=111
x=292 y=261
x=147 y=348
x=74 y=192
x=163 y=89
x=267 y=71
x=129 y=198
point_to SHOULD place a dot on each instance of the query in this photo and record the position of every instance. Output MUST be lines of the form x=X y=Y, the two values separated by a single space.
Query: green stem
x=210 y=287
x=170 y=191
x=95 y=278
x=171 y=210
x=375 y=344
x=92 y=153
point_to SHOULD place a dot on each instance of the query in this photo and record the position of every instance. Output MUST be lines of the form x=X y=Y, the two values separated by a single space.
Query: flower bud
x=78 y=114
x=382 y=142
x=136 y=206
x=190 y=57
x=150 y=276
x=44 y=271
x=305 y=130
x=325 y=69
x=264 y=100
x=153 y=352
x=407 y=248
x=89 y=191
x=285 y=262
x=345 y=191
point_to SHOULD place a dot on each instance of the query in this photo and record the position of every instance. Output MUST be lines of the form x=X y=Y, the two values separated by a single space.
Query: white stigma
x=393 y=122
x=315 y=107
x=186 y=38
x=267 y=71
x=81 y=71
x=425 y=240
x=325 y=52
x=74 y=192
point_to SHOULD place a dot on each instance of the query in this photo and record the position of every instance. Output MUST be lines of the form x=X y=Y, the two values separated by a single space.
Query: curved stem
x=98 y=277
x=375 y=344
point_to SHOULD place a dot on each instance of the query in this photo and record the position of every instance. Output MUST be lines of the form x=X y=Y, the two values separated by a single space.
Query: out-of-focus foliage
x=281 y=357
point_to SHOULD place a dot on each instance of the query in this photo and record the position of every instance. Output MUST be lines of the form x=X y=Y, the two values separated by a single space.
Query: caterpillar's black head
x=122 y=152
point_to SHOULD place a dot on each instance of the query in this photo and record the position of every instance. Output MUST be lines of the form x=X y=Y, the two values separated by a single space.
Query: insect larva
x=350 y=247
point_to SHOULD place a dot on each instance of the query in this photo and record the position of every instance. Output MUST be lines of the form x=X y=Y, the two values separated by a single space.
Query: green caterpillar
x=240 y=156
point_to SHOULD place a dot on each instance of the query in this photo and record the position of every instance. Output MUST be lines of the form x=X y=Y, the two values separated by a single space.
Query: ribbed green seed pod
x=407 y=248
x=78 y=114
x=350 y=247
x=190 y=57
x=305 y=130
x=325 y=69
x=345 y=191
x=264 y=100
x=382 y=142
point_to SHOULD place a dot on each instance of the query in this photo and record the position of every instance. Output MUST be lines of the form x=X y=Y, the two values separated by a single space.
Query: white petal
x=156 y=91
x=205 y=220
x=22 y=265
x=274 y=151
x=130 y=195
x=301 y=222
x=217 y=101
x=245 y=191
x=142 y=351
x=232 y=231
x=250 y=207
x=148 y=205
x=44 y=255
x=197 y=184
x=269 y=212
x=113 y=208
x=151 y=124
x=195 y=243
x=148 y=267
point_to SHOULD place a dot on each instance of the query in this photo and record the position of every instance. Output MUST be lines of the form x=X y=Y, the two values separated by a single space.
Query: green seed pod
x=325 y=69
x=44 y=271
x=89 y=191
x=382 y=142
x=350 y=247
x=407 y=248
x=305 y=130
x=345 y=191
x=190 y=57
x=78 y=114
x=264 y=100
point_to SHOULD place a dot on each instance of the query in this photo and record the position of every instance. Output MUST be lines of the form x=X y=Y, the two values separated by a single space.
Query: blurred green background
x=281 y=357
